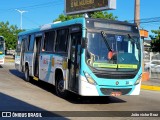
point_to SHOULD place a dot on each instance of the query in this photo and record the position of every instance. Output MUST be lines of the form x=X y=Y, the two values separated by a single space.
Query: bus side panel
x=2 y=50
x=48 y=64
x=29 y=59
x=45 y=68
x=2 y=59
x=17 y=61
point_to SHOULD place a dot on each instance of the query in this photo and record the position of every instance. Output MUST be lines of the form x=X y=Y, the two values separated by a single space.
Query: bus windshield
x=1 y=46
x=122 y=52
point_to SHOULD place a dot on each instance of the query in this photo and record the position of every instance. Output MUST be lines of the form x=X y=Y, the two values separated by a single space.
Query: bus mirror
x=69 y=63
x=4 y=46
x=84 y=42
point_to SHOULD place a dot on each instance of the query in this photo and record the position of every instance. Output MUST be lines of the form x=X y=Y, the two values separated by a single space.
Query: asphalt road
x=18 y=95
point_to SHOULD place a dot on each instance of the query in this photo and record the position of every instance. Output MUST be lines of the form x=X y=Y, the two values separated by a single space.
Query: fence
x=152 y=64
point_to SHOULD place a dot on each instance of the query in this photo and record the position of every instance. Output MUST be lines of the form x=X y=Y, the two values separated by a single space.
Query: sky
x=41 y=12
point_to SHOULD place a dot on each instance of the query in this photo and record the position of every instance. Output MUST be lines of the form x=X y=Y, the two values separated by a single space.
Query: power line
x=147 y=20
x=33 y=6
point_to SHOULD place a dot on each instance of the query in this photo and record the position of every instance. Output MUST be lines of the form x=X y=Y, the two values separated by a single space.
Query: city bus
x=2 y=50
x=90 y=57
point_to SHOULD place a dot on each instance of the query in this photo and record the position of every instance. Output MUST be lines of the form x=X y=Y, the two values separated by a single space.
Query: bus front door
x=74 y=61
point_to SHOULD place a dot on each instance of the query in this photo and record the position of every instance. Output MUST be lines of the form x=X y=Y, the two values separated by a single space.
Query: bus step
x=35 y=78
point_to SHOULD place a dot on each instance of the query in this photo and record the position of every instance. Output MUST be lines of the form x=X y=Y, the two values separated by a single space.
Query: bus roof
x=71 y=22
x=54 y=25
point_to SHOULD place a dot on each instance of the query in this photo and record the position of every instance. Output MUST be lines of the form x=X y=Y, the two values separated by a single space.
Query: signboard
x=144 y=33
x=85 y=6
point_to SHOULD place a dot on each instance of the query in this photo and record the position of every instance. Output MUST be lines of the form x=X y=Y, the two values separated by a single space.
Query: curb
x=150 y=87
x=8 y=60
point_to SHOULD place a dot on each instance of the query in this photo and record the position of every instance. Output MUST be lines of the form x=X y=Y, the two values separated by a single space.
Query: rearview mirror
x=84 y=42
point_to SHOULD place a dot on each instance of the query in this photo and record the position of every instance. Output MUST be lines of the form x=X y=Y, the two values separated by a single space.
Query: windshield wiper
x=106 y=41
x=133 y=40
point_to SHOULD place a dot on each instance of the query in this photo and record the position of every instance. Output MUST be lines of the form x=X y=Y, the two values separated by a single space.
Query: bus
x=2 y=50
x=90 y=57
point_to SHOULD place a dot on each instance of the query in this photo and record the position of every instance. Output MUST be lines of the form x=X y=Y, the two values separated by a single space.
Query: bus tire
x=27 y=77
x=60 y=91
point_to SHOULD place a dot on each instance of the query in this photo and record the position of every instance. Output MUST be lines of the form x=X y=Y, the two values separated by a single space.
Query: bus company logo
x=6 y=114
x=117 y=83
x=21 y=114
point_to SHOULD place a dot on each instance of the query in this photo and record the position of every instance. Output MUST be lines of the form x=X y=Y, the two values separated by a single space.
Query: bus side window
x=18 y=48
x=25 y=44
x=31 y=43
x=48 y=43
x=62 y=41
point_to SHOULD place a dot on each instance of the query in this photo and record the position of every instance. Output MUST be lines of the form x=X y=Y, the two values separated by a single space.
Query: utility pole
x=137 y=12
x=21 y=12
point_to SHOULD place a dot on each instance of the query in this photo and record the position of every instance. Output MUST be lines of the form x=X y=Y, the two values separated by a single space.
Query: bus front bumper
x=87 y=89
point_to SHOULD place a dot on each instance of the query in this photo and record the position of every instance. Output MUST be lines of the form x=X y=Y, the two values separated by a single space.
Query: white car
x=153 y=65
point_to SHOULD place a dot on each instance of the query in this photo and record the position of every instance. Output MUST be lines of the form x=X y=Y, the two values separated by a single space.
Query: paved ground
x=18 y=95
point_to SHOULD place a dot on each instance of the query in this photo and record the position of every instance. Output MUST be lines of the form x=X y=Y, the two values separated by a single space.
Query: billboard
x=85 y=6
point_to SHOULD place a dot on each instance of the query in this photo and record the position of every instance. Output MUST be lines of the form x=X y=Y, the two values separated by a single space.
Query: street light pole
x=21 y=12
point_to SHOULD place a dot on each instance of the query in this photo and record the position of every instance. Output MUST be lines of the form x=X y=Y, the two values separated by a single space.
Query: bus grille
x=108 y=91
x=115 y=76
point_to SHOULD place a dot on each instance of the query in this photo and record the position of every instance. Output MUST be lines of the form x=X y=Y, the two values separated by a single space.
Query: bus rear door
x=37 y=48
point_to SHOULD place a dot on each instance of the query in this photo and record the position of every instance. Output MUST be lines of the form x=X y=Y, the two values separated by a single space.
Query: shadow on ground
x=73 y=98
x=14 y=105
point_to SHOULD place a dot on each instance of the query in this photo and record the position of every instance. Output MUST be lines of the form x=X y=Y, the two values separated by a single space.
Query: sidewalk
x=151 y=84
x=9 y=58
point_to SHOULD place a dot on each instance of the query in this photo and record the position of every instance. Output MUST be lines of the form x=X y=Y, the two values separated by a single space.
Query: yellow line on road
x=149 y=87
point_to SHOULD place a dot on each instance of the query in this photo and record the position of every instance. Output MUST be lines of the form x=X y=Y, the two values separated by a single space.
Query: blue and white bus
x=2 y=50
x=90 y=57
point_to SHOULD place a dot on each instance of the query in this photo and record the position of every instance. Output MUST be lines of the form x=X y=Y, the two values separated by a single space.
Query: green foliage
x=63 y=17
x=10 y=33
x=155 y=43
x=103 y=15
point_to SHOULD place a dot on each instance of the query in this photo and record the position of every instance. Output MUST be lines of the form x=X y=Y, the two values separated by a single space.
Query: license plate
x=116 y=93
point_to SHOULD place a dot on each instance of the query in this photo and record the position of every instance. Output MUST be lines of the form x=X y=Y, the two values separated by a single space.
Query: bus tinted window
x=25 y=47
x=48 y=41
x=62 y=40
x=31 y=43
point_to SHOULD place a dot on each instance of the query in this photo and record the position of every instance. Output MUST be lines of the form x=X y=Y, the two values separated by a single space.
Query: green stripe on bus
x=104 y=65
x=127 y=66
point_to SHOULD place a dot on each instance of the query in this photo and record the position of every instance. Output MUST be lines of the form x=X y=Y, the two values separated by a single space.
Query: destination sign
x=84 y=6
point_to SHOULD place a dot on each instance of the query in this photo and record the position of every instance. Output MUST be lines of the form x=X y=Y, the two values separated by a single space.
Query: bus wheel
x=61 y=92
x=27 y=77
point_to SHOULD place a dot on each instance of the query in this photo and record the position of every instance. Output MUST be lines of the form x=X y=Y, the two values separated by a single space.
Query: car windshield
x=113 y=51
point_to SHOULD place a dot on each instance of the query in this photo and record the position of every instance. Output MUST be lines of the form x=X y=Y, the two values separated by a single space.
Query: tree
x=10 y=33
x=103 y=15
x=155 y=41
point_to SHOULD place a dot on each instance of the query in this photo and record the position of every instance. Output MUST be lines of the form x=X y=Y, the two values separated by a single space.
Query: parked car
x=153 y=65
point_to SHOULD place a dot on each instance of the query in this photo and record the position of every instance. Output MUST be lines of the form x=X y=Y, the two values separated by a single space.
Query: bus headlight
x=1 y=52
x=89 y=78
x=138 y=80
